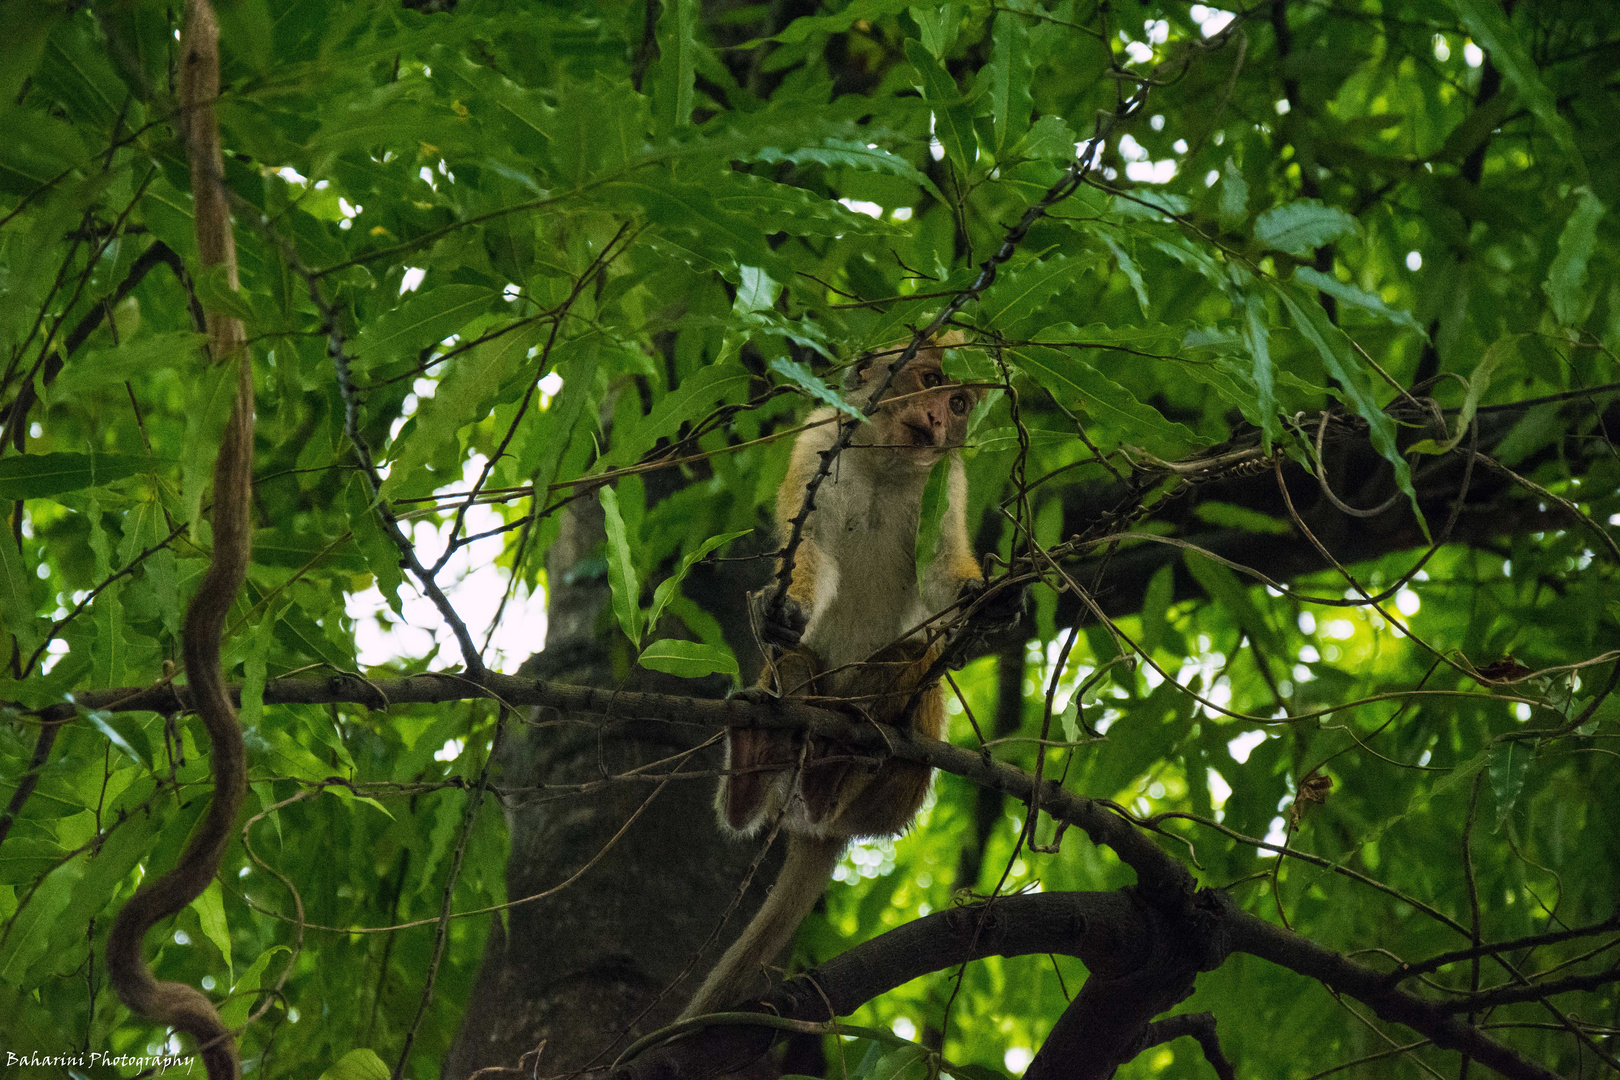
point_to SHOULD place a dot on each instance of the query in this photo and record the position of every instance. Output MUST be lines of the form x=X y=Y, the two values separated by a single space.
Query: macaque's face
x=924 y=409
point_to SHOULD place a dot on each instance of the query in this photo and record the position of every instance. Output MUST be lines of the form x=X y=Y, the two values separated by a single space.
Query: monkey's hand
x=991 y=610
x=781 y=624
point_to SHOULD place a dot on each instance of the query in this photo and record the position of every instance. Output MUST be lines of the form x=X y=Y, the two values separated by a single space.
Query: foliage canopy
x=503 y=259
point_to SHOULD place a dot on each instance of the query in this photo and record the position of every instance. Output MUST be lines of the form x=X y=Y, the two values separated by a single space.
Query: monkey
x=176 y=1004
x=853 y=598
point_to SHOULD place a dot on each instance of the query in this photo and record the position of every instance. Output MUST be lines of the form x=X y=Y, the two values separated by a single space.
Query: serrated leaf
x=846 y=153
x=1566 y=278
x=691 y=400
x=1019 y=295
x=1302 y=226
x=622 y=579
x=1076 y=383
x=38 y=476
x=463 y=391
x=1349 y=294
x=807 y=380
x=668 y=588
x=672 y=89
x=931 y=520
x=358 y=1065
x=953 y=123
x=687 y=659
x=691 y=211
x=1334 y=349
x=428 y=316
x=1010 y=72
x=793 y=210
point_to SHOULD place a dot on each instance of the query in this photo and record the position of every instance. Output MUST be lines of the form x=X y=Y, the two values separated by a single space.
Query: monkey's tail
x=805 y=873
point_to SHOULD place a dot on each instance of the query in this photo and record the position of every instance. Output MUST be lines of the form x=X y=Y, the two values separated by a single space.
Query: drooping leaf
x=1349 y=294
x=806 y=379
x=359 y=1064
x=622 y=579
x=671 y=585
x=1076 y=383
x=931 y=520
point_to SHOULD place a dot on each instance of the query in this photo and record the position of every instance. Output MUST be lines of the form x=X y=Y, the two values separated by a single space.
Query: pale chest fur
x=865 y=526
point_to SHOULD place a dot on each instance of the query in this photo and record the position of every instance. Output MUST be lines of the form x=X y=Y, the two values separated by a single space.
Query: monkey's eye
x=959 y=404
x=931 y=379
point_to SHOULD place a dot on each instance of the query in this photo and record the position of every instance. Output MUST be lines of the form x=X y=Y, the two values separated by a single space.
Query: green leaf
x=807 y=26
x=898 y=1063
x=358 y=1065
x=463 y=396
x=1156 y=606
x=1491 y=30
x=128 y=360
x=931 y=520
x=211 y=393
x=1224 y=587
x=1349 y=294
x=938 y=24
x=429 y=315
x=1232 y=516
x=124 y=731
x=1334 y=348
x=672 y=89
x=792 y=210
x=1509 y=764
x=1302 y=226
x=1074 y=382
x=1049 y=139
x=813 y=385
x=689 y=213
x=1257 y=337
x=622 y=579
x=757 y=291
x=846 y=153
x=210 y=907
x=1234 y=206
x=38 y=476
x=1010 y=71
x=1128 y=267
x=234 y=1012
x=28 y=936
x=953 y=123
x=687 y=659
x=1069 y=718
x=691 y=400
x=1018 y=296
x=1566 y=278
x=668 y=588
